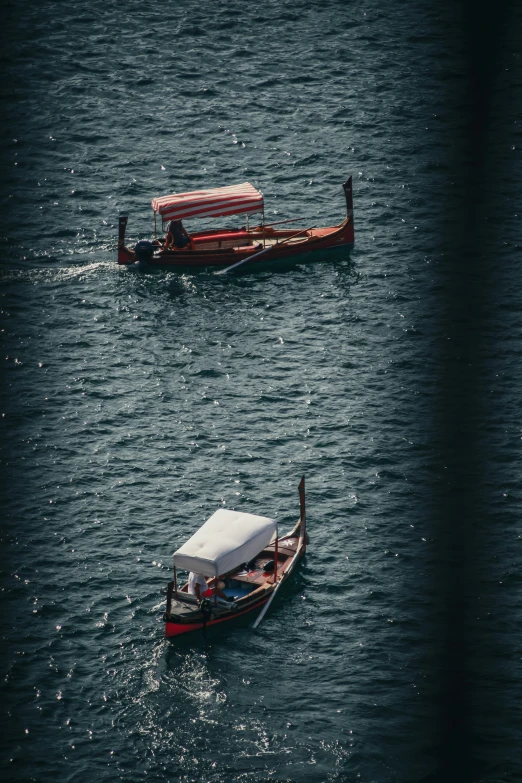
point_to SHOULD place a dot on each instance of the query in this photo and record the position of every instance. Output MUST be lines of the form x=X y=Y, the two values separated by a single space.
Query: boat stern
x=125 y=255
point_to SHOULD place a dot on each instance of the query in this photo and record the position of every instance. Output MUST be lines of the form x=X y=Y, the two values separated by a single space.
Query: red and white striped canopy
x=216 y=202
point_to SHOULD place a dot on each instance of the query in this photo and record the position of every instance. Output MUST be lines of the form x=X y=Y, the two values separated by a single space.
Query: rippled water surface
x=133 y=405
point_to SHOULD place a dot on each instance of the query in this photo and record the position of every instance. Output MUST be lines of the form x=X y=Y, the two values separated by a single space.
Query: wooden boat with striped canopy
x=246 y=558
x=229 y=248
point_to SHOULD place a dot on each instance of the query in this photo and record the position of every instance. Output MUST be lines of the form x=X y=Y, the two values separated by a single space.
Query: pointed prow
x=303 y=535
x=349 y=198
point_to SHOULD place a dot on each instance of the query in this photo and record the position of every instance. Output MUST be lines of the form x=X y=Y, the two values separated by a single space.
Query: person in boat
x=177 y=236
x=198 y=586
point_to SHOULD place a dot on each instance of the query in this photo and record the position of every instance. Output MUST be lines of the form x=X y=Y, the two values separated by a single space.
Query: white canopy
x=225 y=541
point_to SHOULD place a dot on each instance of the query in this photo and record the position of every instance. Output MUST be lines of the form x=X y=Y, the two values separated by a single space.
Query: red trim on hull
x=175 y=629
x=125 y=256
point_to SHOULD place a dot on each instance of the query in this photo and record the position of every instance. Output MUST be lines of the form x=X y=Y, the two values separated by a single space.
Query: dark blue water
x=134 y=405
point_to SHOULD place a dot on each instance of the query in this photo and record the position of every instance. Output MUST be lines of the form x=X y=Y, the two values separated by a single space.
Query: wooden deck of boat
x=253 y=241
x=286 y=550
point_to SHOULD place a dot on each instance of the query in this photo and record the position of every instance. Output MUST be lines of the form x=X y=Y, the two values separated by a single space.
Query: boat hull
x=281 y=250
x=177 y=629
x=183 y=619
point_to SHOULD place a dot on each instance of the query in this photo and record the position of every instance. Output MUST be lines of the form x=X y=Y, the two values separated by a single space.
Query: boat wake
x=50 y=275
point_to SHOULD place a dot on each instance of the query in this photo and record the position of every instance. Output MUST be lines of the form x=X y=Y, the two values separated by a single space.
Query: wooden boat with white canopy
x=228 y=248
x=247 y=560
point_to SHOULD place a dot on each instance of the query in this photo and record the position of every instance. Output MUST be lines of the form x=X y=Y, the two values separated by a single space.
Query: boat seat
x=283 y=550
x=224 y=241
x=187 y=598
x=238 y=589
x=225 y=236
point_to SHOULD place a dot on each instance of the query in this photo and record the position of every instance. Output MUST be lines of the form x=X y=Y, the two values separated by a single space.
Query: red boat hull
x=317 y=240
x=227 y=247
x=176 y=629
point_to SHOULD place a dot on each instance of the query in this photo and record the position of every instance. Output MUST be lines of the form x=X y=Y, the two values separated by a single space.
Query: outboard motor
x=144 y=250
x=269 y=567
x=205 y=608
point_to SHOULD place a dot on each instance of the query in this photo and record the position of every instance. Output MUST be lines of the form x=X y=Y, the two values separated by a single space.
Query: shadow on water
x=182 y=287
x=267 y=268
x=290 y=264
